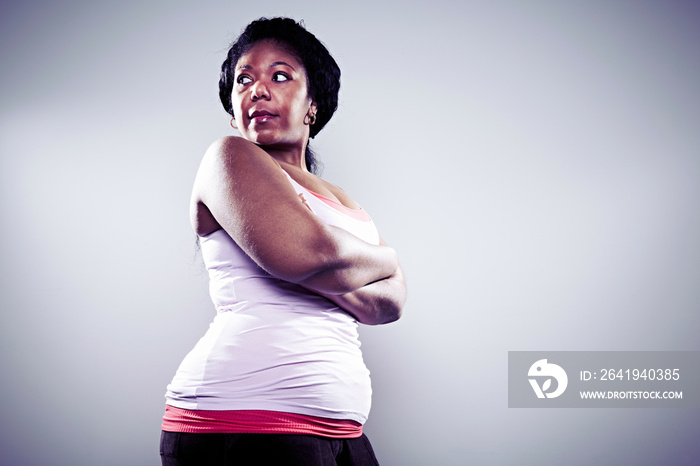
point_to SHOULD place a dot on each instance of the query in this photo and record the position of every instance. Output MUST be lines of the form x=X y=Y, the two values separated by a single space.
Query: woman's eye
x=243 y=79
x=280 y=77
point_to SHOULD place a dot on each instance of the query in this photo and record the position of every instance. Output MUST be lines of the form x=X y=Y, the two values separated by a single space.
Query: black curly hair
x=323 y=74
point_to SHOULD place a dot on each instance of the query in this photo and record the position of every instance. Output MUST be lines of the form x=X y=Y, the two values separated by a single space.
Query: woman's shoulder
x=227 y=146
x=235 y=154
x=231 y=168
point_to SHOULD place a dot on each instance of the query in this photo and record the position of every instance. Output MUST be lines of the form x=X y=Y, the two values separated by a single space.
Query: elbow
x=388 y=307
x=390 y=316
x=384 y=313
x=392 y=306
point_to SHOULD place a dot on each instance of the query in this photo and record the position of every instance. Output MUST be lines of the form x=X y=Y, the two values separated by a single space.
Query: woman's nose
x=259 y=91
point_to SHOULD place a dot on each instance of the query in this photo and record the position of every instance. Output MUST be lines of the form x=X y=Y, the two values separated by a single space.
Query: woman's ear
x=310 y=117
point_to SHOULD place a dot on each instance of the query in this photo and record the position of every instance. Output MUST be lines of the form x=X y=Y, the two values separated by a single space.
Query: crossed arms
x=241 y=189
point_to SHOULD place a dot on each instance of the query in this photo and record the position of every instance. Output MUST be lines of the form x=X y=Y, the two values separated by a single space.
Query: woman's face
x=270 y=97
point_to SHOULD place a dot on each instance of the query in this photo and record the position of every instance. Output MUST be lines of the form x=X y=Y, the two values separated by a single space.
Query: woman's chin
x=273 y=141
x=263 y=138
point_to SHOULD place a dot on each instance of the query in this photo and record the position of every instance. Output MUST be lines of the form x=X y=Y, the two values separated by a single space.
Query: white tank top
x=274 y=345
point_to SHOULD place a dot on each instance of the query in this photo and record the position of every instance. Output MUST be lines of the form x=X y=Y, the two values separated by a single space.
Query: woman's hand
x=243 y=190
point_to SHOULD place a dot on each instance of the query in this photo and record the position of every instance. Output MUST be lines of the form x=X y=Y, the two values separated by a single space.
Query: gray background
x=536 y=164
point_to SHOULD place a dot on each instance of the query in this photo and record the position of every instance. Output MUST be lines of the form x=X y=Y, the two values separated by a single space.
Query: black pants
x=179 y=449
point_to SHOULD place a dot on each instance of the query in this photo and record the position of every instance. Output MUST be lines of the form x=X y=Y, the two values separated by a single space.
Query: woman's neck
x=294 y=156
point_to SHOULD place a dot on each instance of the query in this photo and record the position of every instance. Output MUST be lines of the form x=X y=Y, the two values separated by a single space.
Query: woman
x=294 y=264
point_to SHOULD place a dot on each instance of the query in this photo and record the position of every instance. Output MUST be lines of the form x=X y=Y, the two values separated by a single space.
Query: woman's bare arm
x=241 y=189
x=380 y=302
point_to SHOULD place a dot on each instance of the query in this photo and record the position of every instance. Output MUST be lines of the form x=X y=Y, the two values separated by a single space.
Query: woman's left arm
x=376 y=303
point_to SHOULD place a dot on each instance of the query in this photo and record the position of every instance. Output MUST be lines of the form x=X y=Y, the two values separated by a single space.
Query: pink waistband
x=256 y=422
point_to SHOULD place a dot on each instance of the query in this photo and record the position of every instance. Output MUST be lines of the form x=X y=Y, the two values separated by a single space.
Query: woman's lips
x=261 y=116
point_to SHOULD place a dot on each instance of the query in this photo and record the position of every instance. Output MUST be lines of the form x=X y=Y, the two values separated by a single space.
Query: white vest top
x=274 y=345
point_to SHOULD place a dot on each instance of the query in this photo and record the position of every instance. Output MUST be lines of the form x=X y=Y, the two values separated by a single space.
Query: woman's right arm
x=240 y=188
